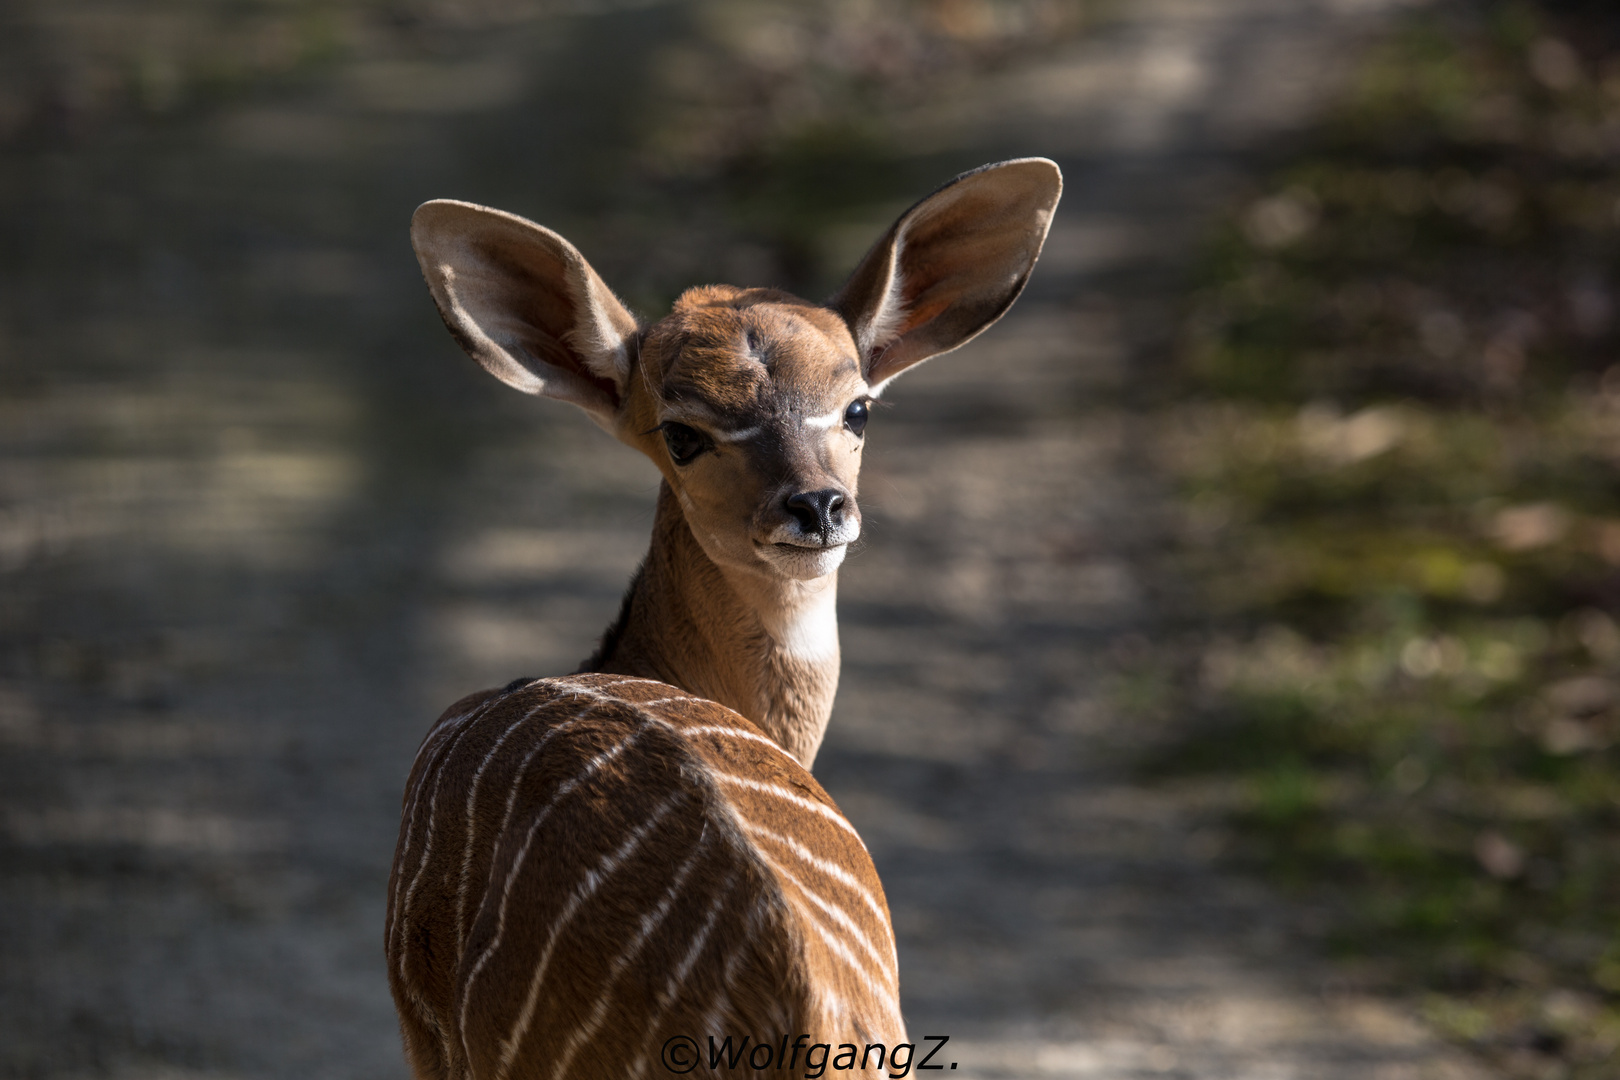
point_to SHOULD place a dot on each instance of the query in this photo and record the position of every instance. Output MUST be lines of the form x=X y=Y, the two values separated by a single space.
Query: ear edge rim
x=1046 y=211
x=598 y=395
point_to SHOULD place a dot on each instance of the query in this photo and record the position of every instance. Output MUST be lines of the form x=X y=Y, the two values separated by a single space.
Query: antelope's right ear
x=525 y=304
x=952 y=265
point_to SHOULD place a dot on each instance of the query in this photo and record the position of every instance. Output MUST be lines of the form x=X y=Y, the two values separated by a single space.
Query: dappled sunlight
x=23 y=728
x=159 y=829
x=515 y=555
x=1397 y=461
x=261 y=521
x=246 y=500
x=490 y=644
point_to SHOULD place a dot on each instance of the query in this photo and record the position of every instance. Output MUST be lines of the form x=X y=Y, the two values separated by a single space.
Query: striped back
x=590 y=866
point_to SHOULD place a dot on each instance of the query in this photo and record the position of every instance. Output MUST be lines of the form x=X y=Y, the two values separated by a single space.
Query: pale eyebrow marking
x=735 y=435
x=738 y=434
x=744 y=434
x=705 y=421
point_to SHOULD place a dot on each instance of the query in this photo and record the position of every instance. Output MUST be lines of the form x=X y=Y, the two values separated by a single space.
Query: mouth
x=803 y=561
x=801 y=547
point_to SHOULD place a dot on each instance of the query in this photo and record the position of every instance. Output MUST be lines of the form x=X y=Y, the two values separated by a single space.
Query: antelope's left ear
x=952 y=265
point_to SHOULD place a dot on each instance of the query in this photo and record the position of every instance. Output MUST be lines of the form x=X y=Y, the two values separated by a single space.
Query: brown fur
x=686 y=626
x=463 y=830
x=582 y=869
x=691 y=623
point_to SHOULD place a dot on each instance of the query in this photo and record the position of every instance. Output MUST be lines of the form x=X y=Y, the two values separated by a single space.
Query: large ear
x=951 y=266
x=525 y=304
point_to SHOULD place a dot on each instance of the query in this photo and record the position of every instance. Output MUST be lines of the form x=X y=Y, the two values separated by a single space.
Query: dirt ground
x=259 y=522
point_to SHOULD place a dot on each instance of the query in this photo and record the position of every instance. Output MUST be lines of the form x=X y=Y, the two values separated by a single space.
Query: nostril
x=805 y=511
x=816 y=511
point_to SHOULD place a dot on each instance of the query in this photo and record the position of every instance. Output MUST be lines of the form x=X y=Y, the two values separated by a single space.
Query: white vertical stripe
x=829 y=868
x=557 y=796
x=783 y=793
x=431 y=746
x=597 y=695
x=678 y=977
x=711 y=1019
x=584 y=891
x=649 y=923
x=403 y=903
x=885 y=967
x=472 y=797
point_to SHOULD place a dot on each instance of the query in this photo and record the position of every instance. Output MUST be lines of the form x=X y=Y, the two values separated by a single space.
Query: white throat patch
x=810 y=634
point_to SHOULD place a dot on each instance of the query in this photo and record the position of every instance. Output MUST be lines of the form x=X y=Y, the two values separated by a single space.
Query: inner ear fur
x=950 y=266
x=525 y=304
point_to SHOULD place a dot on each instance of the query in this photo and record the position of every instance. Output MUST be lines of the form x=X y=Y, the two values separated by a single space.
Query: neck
x=764 y=646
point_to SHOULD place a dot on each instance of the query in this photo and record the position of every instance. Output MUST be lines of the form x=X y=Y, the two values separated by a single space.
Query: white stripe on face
x=825 y=421
x=735 y=435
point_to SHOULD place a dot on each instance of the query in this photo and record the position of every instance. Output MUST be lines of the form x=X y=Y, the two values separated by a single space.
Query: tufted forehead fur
x=766 y=378
x=528 y=307
x=764 y=384
x=569 y=845
x=739 y=357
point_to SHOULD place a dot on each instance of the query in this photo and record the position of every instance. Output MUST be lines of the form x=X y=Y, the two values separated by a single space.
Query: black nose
x=817 y=511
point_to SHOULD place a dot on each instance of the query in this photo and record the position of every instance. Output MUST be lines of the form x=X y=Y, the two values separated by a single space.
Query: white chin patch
x=803 y=563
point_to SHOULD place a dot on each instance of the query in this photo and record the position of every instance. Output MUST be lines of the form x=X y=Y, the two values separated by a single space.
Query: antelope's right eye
x=684 y=443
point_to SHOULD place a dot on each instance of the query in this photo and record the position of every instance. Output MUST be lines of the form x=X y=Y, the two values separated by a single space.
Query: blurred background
x=1253 y=717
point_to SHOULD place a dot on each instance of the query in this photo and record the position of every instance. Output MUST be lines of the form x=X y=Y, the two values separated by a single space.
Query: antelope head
x=751 y=402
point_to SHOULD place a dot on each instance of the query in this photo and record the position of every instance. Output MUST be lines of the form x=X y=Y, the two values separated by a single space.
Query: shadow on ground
x=259 y=522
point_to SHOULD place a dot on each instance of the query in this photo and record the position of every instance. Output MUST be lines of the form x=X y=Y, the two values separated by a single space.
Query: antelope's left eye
x=855 y=417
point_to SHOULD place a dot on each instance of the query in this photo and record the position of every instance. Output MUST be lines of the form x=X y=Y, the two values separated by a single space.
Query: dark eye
x=855 y=417
x=684 y=443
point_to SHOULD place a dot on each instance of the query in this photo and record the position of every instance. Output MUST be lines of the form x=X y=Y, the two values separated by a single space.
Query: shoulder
x=748 y=770
x=580 y=718
x=590 y=701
